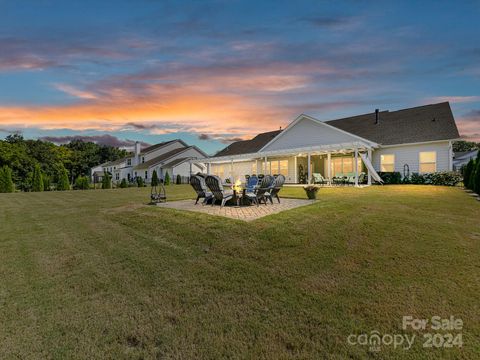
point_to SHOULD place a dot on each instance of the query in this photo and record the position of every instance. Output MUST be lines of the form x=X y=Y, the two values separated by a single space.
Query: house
x=461 y=159
x=172 y=156
x=414 y=140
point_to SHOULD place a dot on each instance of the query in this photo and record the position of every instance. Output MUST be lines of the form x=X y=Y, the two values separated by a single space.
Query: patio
x=245 y=213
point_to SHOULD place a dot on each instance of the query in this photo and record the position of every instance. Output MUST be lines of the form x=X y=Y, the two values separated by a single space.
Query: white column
x=265 y=166
x=369 y=177
x=309 y=167
x=256 y=167
x=450 y=156
x=231 y=172
x=356 y=167
x=208 y=168
x=295 y=179
x=329 y=167
x=191 y=168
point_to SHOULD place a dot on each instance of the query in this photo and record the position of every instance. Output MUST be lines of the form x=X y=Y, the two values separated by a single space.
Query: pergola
x=350 y=147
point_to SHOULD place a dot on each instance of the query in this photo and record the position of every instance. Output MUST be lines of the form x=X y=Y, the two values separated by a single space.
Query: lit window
x=254 y=168
x=283 y=167
x=428 y=161
x=387 y=163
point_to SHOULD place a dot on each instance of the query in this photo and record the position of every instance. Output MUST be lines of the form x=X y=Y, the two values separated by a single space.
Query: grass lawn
x=97 y=274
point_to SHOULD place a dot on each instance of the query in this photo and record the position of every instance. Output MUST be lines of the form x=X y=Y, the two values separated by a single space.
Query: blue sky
x=211 y=72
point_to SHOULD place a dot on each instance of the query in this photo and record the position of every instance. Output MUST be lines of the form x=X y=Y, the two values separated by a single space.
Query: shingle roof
x=248 y=146
x=418 y=124
x=175 y=162
x=161 y=158
x=156 y=146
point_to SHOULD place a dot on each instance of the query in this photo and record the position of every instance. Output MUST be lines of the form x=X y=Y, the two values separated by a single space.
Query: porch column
x=191 y=168
x=309 y=167
x=369 y=177
x=265 y=166
x=295 y=179
x=208 y=168
x=356 y=167
x=256 y=167
x=329 y=167
x=231 y=171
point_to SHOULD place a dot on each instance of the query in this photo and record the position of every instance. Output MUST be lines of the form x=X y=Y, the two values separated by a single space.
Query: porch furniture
x=275 y=188
x=198 y=184
x=262 y=191
x=252 y=182
x=215 y=185
x=319 y=179
x=339 y=179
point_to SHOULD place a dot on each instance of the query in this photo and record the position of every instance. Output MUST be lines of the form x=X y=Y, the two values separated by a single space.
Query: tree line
x=36 y=165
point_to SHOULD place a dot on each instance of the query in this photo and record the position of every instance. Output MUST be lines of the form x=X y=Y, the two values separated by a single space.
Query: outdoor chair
x=198 y=184
x=318 y=179
x=252 y=183
x=215 y=185
x=275 y=189
x=262 y=191
x=339 y=179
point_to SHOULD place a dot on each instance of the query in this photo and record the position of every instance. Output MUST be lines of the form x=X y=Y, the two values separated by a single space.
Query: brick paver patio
x=246 y=213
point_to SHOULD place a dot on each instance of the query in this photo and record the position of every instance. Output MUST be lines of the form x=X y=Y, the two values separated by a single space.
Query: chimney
x=137 y=149
x=377 y=118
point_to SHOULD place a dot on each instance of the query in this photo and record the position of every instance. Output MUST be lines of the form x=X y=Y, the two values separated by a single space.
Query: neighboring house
x=414 y=140
x=462 y=158
x=173 y=156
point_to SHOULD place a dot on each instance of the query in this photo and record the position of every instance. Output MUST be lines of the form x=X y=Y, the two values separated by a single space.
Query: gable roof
x=167 y=156
x=162 y=144
x=248 y=146
x=413 y=125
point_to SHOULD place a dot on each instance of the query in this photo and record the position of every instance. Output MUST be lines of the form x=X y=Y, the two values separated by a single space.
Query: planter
x=311 y=191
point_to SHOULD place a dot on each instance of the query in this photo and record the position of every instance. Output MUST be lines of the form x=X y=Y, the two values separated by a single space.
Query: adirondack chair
x=198 y=184
x=261 y=192
x=214 y=183
x=275 y=188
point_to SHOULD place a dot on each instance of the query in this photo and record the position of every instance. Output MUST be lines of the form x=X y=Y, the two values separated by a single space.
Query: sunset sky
x=211 y=72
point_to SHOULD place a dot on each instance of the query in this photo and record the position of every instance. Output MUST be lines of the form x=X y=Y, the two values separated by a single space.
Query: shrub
x=391 y=177
x=46 y=182
x=446 y=178
x=179 y=179
x=476 y=176
x=167 y=178
x=63 y=183
x=140 y=181
x=123 y=183
x=6 y=182
x=154 y=181
x=81 y=183
x=106 y=181
x=467 y=173
x=37 y=181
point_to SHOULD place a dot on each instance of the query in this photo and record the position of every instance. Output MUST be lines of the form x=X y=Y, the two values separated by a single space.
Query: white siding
x=409 y=154
x=307 y=132
x=191 y=153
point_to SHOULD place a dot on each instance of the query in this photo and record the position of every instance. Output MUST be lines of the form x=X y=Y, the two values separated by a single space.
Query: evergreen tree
x=476 y=177
x=467 y=173
x=106 y=181
x=154 y=181
x=6 y=183
x=62 y=182
x=167 y=178
x=82 y=183
x=179 y=179
x=123 y=183
x=37 y=181
x=139 y=181
x=46 y=182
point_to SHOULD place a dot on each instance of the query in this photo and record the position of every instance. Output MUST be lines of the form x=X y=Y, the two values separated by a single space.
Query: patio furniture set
x=339 y=179
x=254 y=190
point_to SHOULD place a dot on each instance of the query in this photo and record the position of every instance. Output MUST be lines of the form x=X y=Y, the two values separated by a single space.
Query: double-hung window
x=387 y=163
x=427 y=161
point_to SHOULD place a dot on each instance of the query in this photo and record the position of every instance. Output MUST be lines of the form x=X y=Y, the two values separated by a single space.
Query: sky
x=212 y=72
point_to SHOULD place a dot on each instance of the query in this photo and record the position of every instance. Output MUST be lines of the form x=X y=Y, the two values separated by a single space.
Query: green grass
x=97 y=274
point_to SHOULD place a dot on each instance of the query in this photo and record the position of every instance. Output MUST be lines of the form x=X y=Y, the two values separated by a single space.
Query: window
x=387 y=163
x=343 y=165
x=278 y=167
x=428 y=161
x=129 y=162
x=117 y=176
x=143 y=159
x=254 y=168
x=146 y=174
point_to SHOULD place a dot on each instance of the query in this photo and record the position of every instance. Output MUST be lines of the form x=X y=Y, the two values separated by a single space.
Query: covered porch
x=304 y=165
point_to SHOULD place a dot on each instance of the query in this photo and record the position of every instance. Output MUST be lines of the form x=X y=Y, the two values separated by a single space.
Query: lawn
x=97 y=274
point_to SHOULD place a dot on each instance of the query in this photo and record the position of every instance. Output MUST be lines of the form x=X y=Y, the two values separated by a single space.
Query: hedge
x=446 y=178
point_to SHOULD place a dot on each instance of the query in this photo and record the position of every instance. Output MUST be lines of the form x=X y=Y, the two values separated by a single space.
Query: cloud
x=469 y=125
x=70 y=90
x=326 y=21
x=106 y=139
x=204 y=137
x=452 y=99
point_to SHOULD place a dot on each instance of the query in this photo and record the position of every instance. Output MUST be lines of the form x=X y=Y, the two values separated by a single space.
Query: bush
x=476 y=176
x=154 y=181
x=37 y=181
x=6 y=182
x=179 y=179
x=106 y=181
x=62 y=182
x=140 y=181
x=167 y=179
x=391 y=177
x=82 y=183
x=445 y=178
x=46 y=182
x=468 y=172
x=123 y=183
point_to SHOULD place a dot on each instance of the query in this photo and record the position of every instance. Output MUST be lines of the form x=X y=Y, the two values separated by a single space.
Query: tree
x=123 y=183
x=467 y=173
x=462 y=145
x=179 y=179
x=106 y=181
x=154 y=181
x=139 y=181
x=6 y=182
x=46 y=182
x=82 y=183
x=476 y=176
x=37 y=181
x=62 y=182
x=167 y=178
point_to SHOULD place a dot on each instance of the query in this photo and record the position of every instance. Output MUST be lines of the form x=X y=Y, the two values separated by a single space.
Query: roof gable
x=248 y=146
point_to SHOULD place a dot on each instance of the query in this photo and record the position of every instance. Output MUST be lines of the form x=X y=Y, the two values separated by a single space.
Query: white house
x=171 y=156
x=414 y=140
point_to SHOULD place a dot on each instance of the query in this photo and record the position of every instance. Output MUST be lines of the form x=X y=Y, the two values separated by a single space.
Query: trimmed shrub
x=6 y=182
x=476 y=176
x=123 y=183
x=179 y=179
x=37 y=181
x=391 y=177
x=140 y=181
x=167 y=178
x=445 y=178
x=467 y=173
x=81 y=183
x=106 y=181
x=154 y=181
x=63 y=183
